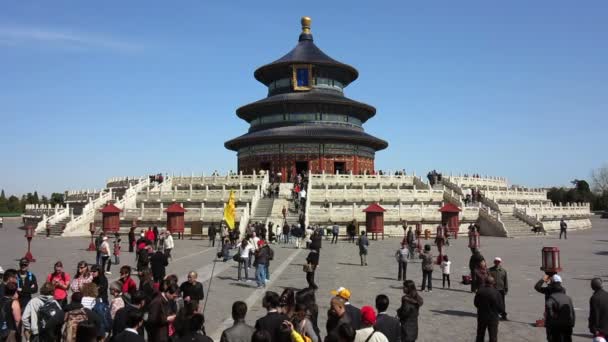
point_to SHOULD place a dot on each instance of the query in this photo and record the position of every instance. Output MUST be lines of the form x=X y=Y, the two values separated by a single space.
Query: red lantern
x=474 y=241
x=550 y=260
x=29 y=234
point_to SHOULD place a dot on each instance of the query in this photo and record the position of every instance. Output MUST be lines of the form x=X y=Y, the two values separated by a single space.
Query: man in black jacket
x=598 y=309
x=560 y=316
x=474 y=261
x=137 y=304
x=134 y=322
x=489 y=304
x=388 y=325
x=273 y=321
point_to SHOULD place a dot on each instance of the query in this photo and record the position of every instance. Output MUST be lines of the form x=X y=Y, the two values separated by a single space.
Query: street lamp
x=29 y=234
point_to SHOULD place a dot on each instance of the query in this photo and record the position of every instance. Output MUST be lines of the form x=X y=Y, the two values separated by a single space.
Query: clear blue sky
x=91 y=90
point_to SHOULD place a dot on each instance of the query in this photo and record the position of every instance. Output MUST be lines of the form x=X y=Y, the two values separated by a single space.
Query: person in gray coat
x=240 y=331
x=408 y=312
x=387 y=325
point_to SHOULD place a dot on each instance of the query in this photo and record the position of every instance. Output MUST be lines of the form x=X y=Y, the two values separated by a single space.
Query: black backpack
x=563 y=313
x=5 y=305
x=50 y=320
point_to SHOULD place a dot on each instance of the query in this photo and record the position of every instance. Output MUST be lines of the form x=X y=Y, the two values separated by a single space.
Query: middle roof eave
x=251 y=110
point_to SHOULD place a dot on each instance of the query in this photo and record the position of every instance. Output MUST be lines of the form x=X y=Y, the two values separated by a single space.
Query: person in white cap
x=554 y=284
x=502 y=285
x=560 y=316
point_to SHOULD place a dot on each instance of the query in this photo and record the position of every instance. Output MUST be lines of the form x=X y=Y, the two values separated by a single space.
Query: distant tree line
x=582 y=192
x=14 y=204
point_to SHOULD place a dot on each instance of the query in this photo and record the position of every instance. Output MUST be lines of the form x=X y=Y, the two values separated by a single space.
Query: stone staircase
x=57 y=227
x=514 y=226
x=263 y=210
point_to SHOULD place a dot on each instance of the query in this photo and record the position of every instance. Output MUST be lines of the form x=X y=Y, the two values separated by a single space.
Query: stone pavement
x=447 y=315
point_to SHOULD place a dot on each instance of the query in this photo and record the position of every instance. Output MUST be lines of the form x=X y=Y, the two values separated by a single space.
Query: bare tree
x=599 y=177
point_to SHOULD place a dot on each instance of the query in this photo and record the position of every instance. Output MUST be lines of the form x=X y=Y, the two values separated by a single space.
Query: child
x=445 y=270
x=117 y=251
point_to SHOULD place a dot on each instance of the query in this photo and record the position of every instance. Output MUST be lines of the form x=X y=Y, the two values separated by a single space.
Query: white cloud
x=15 y=36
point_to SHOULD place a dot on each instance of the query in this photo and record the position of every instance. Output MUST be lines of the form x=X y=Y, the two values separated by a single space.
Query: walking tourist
x=563 y=226
x=61 y=282
x=446 y=265
x=335 y=231
x=502 y=285
x=560 y=316
x=116 y=251
x=402 y=256
x=131 y=238
x=261 y=261
x=98 y=242
x=409 y=239
x=169 y=244
x=598 y=309
x=489 y=304
x=351 y=231
x=240 y=331
x=385 y=323
x=212 y=232
x=408 y=312
x=363 y=244
x=312 y=262
x=368 y=333
x=26 y=282
x=192 y=290
x=427 y=268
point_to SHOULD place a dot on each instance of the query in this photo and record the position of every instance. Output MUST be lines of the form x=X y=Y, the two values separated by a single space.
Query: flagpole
x=209 y=287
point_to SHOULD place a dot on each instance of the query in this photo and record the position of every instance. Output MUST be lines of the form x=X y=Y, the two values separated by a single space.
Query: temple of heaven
x=306 y=123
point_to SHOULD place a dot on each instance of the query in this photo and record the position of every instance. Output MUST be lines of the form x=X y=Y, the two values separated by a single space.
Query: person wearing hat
x=105 y=252
x=560 y=316
x=353 y=312
x=27 y=284
x=336 y=315
x=553 y=284
x=367 y=333
x=502 y=285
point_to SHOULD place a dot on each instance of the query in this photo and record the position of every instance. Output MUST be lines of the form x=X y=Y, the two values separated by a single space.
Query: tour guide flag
x=230 y=211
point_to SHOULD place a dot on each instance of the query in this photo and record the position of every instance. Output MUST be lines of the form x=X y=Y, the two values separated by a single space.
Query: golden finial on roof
x=306 y=25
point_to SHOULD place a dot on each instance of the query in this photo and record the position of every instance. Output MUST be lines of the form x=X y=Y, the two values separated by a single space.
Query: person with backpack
x=402 y=255
x=90 y=300
x=10 y=313
x=43 y=317
x=76 y=313
x=560 y=315
x=27 y=284
x=61 y=281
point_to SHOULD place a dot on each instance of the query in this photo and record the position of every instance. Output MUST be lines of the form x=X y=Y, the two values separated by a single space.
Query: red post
x=92 y=231
x=29 y=234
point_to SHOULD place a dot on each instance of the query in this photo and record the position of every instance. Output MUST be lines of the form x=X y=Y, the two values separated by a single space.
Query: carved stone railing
x=82 y=195
x=375 y=195
x=452 y=197
x=192 y=214
x=51 y=219
x=490 y=204
x=123 y=182
x=392 y=214
x=491 y=223
x=552 y=211
x=79 y=226
x=528 y=219
x=481 y=183
x=234 y=179
x=515 y=195
x=195 y=195
x=129 y=199
x=452 y=186
x=420 y=184
x=351 y=179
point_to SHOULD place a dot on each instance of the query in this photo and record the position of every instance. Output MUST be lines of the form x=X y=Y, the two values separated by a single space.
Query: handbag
x=237 y=257
x=307 y=268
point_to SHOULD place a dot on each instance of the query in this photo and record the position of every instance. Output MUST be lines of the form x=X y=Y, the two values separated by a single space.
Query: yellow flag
x=230 y=211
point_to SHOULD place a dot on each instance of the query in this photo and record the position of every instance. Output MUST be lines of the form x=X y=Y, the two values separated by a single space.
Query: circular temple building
x=306 y=123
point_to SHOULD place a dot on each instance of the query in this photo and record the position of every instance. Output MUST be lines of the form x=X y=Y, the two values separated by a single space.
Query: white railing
x=80 y=224
x=453 y=197
x=493 y=218
x=243 y=220
x=392 y=213
x=515 y=195
x=552 y=211
x=376 y=195
x=129 y=199
x=195 y=195
x=482 y=182
x=60 y=214
x=419 y=183
x=219 y=180
x=342 y=179
x=192 y=214
x=529 y=219
x=452 y=186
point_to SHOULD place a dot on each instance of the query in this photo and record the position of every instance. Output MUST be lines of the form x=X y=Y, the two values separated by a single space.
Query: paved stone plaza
x=447 y=315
